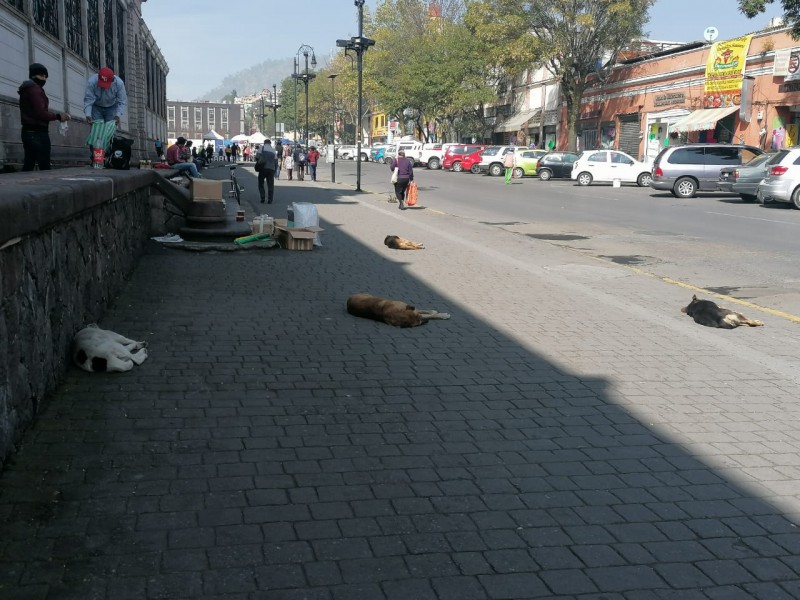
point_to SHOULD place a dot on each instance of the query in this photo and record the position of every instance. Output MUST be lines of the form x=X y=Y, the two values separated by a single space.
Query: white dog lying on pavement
x=99 y=350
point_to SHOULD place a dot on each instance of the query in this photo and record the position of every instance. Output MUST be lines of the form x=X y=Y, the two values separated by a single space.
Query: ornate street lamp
x=305 y=50
x=359 y=45
x=333 y=77
x=275 y=107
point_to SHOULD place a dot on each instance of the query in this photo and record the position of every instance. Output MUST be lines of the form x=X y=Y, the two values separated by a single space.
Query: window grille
x=108 y=32
x=184 y=117
x=72 y=15
x=223 y=119
x=211 y=118
x=198 y=119
x=93 y=19
x=16 y=4
x=45 y=15
x=171 y=117
x=120 y=13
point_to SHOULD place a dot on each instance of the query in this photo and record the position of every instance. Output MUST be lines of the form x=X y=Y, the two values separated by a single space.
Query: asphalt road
x=713 y=242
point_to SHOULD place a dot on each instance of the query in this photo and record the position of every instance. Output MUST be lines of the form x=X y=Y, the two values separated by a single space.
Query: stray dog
x=397 y=243
x=391 y=312
x=99 y=350
x=705 y=312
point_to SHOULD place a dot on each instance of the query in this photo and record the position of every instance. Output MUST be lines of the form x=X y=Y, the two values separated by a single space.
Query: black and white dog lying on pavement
x=100 y=350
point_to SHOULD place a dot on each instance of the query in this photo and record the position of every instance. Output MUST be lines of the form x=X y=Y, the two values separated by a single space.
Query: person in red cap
x=105 y=98
x=35 y=115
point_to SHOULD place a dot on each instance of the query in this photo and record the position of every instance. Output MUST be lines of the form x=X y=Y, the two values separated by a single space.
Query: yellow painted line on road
x=688 y=286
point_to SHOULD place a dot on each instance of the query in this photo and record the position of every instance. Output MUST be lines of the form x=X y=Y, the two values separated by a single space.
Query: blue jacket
x=111 y=96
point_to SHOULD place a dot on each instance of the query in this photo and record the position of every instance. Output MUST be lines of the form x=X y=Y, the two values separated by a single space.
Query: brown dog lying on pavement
x=391 y=312
x=397 y=243
x=705 y=312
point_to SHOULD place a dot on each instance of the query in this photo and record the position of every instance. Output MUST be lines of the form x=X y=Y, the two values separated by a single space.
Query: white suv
x=782 y=183
x=492 y=159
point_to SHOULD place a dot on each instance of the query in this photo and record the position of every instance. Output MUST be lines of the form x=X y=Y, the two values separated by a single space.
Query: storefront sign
x=591 y=114
x=551 y=117
x=792 y=86
x=724 y=71
x=670 y=99
x=780 y=65
x=793 y=69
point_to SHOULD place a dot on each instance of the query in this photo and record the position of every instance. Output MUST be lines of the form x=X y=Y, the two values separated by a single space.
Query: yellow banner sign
x=724 y=72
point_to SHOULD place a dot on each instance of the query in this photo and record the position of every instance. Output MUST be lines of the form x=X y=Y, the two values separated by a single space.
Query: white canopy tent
x=212 y=135
x=257 y=138
x=239 y=138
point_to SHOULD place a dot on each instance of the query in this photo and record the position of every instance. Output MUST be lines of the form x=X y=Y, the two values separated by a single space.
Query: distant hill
x=254 y=79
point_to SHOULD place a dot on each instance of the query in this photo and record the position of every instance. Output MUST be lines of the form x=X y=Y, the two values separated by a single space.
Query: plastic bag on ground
x=305 y=215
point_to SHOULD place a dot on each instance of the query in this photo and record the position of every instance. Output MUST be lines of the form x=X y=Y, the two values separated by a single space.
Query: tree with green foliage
x=791 y=10
x=576 y=40
x=427 y=66
x=230 y=97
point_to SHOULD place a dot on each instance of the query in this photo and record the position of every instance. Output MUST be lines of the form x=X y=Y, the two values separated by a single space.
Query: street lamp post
x=359 y=45
x=306 y=77
x=333 y=77
x=275 y=107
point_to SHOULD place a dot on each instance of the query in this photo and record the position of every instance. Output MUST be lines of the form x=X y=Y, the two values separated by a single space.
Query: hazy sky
x=206 y=40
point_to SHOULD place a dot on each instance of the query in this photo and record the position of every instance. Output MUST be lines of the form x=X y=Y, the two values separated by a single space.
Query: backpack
x=120 y=155
x=301 y=157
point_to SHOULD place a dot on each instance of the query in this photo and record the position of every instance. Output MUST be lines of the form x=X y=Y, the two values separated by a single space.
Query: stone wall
x=68 y=240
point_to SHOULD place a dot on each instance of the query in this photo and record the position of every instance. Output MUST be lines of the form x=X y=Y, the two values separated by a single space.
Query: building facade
x=192 y=120
x=73 y=39
x=651 y=102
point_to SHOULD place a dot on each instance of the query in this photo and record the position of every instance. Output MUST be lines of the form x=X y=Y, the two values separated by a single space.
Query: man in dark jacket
x=35 y=115
x=266 y=164
x=299 y=157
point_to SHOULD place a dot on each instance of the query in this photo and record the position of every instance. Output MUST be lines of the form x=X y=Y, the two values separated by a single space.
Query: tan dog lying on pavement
x=397 y=243
x=706 y=312
x=100 y=350
x=391 y=312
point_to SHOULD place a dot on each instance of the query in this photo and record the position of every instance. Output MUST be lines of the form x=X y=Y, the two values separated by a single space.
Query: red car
x=453 y=156
x=470 y=163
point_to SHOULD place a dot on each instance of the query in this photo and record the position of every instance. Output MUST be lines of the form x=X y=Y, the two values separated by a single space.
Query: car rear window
x=552 y=158
x=722 y=156
x=455 y=150
x=491 y=151
x=686 y=156
x=597 y=157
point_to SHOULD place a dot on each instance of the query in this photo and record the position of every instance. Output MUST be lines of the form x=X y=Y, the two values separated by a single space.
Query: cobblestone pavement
x=567 y=434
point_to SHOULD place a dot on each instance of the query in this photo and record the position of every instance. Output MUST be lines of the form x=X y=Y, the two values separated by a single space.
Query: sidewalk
x=568 y=433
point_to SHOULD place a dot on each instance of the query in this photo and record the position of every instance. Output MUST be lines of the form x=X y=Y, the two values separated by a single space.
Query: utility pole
x=333 y=77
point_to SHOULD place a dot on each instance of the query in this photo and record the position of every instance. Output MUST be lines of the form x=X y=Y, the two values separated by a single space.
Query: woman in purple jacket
x=35 y=115
x=405 y=175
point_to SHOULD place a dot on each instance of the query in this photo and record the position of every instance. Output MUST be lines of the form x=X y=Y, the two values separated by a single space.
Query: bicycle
x=236 y=190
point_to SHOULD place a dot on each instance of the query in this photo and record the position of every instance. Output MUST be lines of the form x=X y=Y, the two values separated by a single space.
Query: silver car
x=782 y=183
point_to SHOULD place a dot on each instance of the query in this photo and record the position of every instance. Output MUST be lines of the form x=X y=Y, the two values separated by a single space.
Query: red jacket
x=34 y=107
x=312 y=157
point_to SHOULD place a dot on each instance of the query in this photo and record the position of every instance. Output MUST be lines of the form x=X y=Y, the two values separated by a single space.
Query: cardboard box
x=263 y=225
x=294 y=238
x=145 y=164
x=206 y=189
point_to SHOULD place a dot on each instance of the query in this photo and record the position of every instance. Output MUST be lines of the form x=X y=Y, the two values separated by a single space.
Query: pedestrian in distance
x=288 y=164
x=405 y=175
x=313 y=159
x=105 y=98
x=300 y=162
x=209 y=153
x=279 y=152
x=35 y=116
x=159 y=148
x=266 y=164
x=508 y=163
x=228 y=152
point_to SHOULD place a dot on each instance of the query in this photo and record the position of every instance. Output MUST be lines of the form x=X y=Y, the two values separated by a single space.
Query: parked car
x=744 y=180
x=454 y=154
x=556 y=164
x=412 y=148
x=782 y=183
x=376 y=154
x=492 y=159
x=469 y=164
x=608 y=166
x=526 y=161
x=431 y=155
x=687 y=168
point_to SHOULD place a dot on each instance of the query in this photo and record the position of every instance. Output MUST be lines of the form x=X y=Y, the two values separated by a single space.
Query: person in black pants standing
x=265 y=167
x=35 y=115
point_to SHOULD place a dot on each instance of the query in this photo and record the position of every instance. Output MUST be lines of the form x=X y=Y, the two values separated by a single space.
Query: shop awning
x=703 y=119
x=517 y=121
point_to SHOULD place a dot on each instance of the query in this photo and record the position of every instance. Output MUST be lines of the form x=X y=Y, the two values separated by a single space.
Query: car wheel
x=644 y=180
x=496 y=170
x=434 y=164
x=749 y=197
x=796 y=198
x=518 y=173
x=584 y=178
x=685 y=187
x=385 y=160
x=545 y=175
x=475 y=170
x=457 y=166
x=364 y=157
